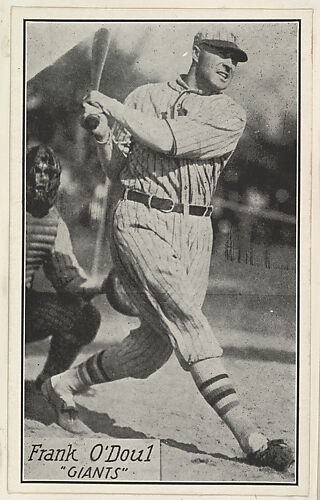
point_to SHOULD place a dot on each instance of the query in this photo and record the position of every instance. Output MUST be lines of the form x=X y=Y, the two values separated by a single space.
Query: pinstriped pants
x=163 y=262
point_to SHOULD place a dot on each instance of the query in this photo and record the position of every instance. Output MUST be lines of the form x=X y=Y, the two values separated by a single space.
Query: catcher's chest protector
x=41 y=235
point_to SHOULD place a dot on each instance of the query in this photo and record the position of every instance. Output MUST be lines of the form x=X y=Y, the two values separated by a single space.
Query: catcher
x=66 y=315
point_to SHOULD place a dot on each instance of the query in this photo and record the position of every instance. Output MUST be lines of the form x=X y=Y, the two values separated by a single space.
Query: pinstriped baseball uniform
x=167 y=256
x=162 y=254
x=206 y=130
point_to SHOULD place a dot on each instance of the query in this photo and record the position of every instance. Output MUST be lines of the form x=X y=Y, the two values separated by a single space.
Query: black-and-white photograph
x=160 y=330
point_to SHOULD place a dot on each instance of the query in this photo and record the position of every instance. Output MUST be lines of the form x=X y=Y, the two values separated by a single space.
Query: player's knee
x=151 y=366
x=144 y=372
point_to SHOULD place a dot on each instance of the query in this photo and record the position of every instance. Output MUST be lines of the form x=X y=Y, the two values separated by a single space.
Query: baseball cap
x=220 y=37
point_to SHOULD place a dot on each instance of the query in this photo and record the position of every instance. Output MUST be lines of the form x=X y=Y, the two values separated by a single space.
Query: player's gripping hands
x=105 y=104
x=93 y=113
x=95 y=118
x=148 y=130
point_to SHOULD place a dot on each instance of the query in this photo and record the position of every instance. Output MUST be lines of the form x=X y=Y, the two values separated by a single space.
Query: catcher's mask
x=43 y=179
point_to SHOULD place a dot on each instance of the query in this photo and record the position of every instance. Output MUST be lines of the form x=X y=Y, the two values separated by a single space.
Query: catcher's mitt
x=117 y=295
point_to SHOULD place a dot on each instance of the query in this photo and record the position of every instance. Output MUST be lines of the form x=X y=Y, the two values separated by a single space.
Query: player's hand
x=99 y=100
x=94 y=115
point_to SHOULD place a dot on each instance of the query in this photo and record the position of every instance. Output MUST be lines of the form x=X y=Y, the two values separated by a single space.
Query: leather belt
x=166 y=205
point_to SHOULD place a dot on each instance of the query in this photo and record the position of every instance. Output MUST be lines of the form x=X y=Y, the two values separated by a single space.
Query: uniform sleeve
x=121 y=137
x=212 y=133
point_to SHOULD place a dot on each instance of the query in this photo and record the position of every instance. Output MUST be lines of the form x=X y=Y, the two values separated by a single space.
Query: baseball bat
x=100 y=47
x=97 y=254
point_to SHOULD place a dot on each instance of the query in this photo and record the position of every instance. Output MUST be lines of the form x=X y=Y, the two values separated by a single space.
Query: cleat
x=67 y=412
x=278 y=455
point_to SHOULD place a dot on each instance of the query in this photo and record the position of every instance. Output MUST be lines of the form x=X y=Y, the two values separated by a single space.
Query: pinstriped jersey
x=205 y=130
x=48 y=245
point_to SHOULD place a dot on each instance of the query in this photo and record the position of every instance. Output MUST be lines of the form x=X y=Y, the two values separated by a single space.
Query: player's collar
x=181 y=86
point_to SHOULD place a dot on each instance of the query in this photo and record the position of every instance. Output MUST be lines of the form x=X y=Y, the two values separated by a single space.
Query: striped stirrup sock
x=214 y=385
x=91 y=371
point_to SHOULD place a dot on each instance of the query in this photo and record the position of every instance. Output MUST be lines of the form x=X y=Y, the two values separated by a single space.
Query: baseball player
x=67 y=315
x=169 y=145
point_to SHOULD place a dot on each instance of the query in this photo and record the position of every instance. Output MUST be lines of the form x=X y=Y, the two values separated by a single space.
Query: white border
x=15 y=264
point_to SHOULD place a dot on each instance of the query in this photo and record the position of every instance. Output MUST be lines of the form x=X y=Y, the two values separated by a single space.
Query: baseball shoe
x=278 y=455
x=86 y=391
x=66 y=411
